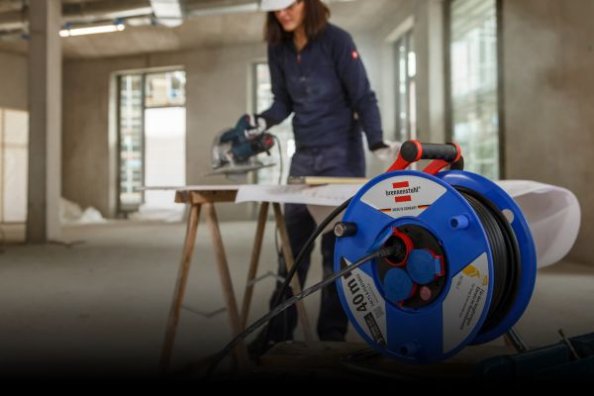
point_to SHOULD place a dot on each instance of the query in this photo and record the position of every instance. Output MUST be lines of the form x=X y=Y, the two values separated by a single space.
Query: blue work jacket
x=326 y=86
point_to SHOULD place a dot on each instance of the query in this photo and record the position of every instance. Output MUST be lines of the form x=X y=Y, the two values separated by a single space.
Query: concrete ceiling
x=205 y=31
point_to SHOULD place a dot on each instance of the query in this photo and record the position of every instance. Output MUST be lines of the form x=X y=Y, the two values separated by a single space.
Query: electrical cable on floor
x=284 y=287
x=279 y=255
x=383 y=252
x=302 y=254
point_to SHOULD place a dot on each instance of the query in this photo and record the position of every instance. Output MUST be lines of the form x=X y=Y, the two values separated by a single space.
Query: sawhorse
x=208 y=196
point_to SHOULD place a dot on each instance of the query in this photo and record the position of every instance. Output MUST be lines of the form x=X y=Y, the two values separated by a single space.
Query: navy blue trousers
x=348 y=161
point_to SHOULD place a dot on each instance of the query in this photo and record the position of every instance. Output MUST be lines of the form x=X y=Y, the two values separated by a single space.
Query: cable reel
x=468 y=269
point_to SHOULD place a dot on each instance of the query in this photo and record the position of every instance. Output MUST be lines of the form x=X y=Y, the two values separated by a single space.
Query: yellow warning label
x=471 y=271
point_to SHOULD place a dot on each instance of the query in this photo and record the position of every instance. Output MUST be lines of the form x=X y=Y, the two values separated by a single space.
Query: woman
x=317 y=74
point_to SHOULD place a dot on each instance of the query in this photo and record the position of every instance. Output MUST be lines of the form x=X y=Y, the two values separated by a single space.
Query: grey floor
x=101 y=303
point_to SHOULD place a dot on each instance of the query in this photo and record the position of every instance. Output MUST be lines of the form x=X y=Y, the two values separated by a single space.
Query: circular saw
x=234 y=150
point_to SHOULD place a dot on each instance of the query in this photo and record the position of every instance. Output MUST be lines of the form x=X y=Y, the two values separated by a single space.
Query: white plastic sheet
x=553 y=214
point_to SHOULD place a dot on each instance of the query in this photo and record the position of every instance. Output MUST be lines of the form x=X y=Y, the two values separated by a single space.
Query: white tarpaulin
x=553 y=215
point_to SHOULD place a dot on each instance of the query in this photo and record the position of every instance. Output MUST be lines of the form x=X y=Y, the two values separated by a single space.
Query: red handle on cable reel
x=441 y=154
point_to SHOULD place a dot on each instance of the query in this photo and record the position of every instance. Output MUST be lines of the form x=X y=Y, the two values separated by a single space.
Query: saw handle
x=442 y=154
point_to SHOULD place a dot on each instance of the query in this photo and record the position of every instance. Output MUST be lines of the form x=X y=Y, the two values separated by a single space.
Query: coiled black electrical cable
x=506 y=255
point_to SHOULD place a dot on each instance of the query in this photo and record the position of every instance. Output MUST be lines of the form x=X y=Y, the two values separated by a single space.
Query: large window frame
x=474 y=153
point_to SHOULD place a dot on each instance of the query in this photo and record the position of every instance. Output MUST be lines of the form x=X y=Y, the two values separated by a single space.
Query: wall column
x=45 y=112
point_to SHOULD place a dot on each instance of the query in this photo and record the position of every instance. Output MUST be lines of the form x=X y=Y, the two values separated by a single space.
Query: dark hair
x=315 y=21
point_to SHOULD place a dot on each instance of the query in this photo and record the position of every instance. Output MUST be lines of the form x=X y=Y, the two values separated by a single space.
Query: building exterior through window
x=474 y=81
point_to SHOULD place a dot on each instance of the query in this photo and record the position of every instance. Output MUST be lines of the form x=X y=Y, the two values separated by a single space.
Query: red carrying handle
x=441 y=154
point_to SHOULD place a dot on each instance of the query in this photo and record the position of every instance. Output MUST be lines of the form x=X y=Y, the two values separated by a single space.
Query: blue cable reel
x=467 y=269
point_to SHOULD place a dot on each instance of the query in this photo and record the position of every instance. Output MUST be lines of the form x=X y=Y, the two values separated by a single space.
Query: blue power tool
x=234 y=150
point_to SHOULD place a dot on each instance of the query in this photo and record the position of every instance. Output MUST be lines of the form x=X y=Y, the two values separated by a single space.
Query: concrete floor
x=99 y=306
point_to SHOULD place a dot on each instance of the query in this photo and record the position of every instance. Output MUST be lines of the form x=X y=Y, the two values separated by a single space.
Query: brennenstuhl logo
x=403 y=191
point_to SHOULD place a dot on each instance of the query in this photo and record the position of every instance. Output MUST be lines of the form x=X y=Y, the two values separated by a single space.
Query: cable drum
x=468 y=273
x=504 y=247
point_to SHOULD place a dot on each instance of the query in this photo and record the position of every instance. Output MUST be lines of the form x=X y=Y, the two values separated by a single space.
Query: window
x=165 y=89
x=406 y=118
x=14 y=139
x=473 y=79
x=151 y=135
x=131 y=142
x=284 y=132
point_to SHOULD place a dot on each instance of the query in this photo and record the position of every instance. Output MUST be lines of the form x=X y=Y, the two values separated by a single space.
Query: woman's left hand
x=387 y=151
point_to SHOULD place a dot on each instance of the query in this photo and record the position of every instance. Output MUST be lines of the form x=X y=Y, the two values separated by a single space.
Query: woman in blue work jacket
x=317 y=74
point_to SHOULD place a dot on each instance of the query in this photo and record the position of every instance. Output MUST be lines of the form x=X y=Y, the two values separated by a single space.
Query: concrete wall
x=13 y=81
x=548 y=55
x=217 y=94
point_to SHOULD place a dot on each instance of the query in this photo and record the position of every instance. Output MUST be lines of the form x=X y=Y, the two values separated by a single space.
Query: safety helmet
x=275 y=5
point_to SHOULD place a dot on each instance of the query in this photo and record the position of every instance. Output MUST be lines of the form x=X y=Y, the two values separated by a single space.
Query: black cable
x=278 y=248
x=506 y=255
x=301 y=256
x=310 y=241
x=284 y=287
x=383 y=252
x=279 y=252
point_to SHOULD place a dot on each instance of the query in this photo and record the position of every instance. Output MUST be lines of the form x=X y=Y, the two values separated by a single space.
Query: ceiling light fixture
x=70 y=31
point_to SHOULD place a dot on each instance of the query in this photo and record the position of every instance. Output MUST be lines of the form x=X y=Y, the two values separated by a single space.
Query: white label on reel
x=365 y=303
x=403 y=195
x=465 y=302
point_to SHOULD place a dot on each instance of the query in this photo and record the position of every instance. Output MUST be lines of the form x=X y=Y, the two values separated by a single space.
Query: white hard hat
x=275 y=5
